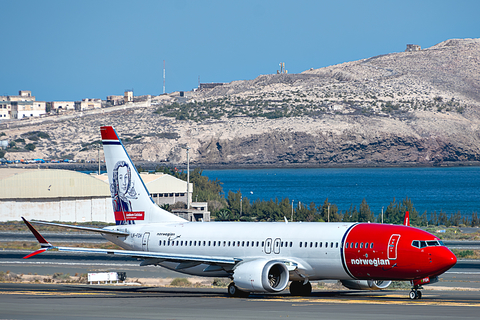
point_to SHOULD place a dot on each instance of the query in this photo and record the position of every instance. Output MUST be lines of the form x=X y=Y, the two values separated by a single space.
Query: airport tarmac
x=43 y=301
x=457 y=296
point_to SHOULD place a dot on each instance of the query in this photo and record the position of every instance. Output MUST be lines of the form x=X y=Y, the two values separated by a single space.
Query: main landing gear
x=415 y=293
x=299 y=288
x=233 y=291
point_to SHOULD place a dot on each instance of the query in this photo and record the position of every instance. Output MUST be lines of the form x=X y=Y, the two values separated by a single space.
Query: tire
x=234 y=292
x=412 y=295
x=419 y=294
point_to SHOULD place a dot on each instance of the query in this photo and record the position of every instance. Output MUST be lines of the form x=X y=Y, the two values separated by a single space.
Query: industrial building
x=70 y=196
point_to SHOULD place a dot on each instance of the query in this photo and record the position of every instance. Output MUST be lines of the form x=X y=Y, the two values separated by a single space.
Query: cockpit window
x=429 y=243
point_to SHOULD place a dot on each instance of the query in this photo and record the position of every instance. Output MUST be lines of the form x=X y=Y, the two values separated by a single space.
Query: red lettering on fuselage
x=385 y=252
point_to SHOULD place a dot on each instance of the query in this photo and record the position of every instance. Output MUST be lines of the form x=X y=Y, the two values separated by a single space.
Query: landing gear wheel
x=412 y=295
x=233 y=291
x=415 y=294
x=297 y=288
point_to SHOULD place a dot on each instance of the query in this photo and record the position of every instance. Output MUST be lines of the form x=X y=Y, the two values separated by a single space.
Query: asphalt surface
x=30 y=301
x=457 y=295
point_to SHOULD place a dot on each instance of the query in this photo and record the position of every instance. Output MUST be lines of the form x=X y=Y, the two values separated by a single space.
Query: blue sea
x=447 y=189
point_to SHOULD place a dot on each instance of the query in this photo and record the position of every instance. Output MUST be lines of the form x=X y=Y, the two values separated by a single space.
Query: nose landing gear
x=415 y=293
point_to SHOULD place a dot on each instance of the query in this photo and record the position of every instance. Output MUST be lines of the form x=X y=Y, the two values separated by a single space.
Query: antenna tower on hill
x=163 y=76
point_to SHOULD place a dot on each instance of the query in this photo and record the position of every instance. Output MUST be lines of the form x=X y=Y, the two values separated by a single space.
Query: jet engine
x=261 y=276
x=366 y=284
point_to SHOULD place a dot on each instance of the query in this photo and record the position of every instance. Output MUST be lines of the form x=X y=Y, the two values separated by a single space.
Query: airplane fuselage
x=321 y=250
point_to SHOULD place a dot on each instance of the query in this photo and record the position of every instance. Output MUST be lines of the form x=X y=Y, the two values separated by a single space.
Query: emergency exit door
x=392 y=246
x=145 y=238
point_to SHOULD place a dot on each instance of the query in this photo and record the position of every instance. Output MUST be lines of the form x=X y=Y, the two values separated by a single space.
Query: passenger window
x=316 y=244
x=224 y=243
x=238 y=243
x=371 y=245
x=356 y=245
x=257 y=243
x=346 y=245
x=209 y=242
x=336 y=244
x=204 y=243
x=181 y=243
x=331 y=245
x=243 y=243
x=263 y=244
x=300 y=244
x=321 y=244
x=311 y=244
x=361 y=245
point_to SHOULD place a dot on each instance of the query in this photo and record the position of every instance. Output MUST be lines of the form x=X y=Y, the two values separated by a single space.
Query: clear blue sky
x=70 y=50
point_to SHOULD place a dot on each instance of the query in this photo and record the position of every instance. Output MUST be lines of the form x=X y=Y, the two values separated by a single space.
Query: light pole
x=382 y=215
x=292 y=212
x=328 y=217
x=241 y=201
x=188 y=178
x=99 y=146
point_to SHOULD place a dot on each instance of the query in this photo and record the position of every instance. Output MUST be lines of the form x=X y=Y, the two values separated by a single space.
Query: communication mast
x=282 y=68
x=163 y=76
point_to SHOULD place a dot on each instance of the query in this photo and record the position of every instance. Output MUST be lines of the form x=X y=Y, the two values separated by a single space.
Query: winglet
x=406 y=220
x=44 y=243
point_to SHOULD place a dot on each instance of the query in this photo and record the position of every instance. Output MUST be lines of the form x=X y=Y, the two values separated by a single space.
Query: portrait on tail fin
x=122 y=189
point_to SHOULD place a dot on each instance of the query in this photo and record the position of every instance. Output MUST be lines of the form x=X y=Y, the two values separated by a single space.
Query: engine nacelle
x=366 y=284
x=261 y=276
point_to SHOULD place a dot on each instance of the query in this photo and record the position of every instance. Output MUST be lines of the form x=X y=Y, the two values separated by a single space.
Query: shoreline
x=148 y=165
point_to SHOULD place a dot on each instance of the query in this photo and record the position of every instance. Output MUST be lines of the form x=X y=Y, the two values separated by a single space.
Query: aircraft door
x=268 y=246
x=392 y=246
x=145 y=238
x=276 y=246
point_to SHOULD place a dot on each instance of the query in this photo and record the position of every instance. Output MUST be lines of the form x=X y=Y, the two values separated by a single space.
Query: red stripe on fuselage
x=392 y=256
x=108 y=133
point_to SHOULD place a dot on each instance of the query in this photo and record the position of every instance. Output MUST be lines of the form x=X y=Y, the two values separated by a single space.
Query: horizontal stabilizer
x=105 y=231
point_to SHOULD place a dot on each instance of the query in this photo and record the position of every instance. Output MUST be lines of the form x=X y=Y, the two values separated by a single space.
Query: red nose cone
x=445 y=260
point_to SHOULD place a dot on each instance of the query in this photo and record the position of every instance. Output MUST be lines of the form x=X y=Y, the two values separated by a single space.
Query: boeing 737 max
x=259 y=256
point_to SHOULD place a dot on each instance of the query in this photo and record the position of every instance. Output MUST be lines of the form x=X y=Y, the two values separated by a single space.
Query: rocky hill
x=404 y=108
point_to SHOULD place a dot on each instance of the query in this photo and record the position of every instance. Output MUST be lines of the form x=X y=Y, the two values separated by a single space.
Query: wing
x=148 y=257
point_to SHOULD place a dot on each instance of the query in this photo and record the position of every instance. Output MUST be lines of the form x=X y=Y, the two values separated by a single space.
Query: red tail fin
x=406 y=220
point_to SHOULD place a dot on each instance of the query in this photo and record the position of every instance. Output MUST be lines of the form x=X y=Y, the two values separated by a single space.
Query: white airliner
x=259 y=256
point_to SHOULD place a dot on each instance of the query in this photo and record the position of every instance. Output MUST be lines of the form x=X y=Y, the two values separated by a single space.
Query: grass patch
x=466 y=254
x=181 y=282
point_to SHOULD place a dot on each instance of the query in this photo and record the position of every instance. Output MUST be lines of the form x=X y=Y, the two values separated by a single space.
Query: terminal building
x=70 y=196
